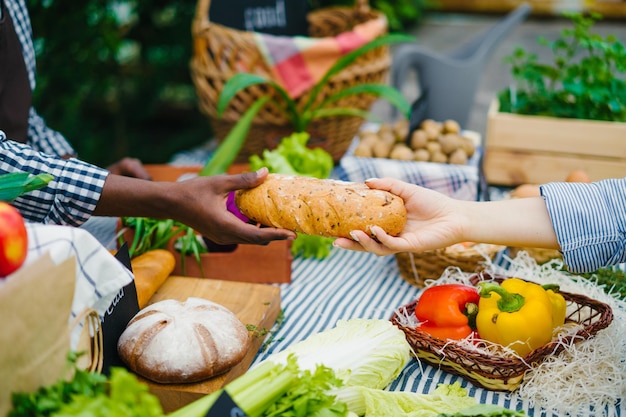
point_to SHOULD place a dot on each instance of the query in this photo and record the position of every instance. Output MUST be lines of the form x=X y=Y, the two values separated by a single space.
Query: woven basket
x=416 y=268
x=540 y=255
x=220 y=52
x=503 y=373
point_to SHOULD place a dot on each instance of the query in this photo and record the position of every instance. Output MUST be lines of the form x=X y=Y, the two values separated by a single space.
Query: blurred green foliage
x=401 y=14
x=113 y=75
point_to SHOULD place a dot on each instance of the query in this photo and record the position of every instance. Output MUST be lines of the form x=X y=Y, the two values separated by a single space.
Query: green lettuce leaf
x=365 y=352
x=292 y=157
x=370 y=402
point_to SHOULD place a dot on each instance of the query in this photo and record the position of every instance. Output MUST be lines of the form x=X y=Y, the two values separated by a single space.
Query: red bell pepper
x=448 y=311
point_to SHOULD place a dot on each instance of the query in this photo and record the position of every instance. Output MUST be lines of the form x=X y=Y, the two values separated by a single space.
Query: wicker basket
x=540 y=255
x=503 y=373
x=416 y=268
x=220 y=52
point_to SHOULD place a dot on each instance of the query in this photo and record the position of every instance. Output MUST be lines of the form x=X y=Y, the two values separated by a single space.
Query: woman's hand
x=432 y=222
x=435 y=221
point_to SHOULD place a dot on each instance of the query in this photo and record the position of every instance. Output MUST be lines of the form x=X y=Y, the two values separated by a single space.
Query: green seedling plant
x=301 y=115
x=585 y=80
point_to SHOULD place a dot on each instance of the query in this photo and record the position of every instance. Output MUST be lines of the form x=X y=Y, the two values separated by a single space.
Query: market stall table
x=350 y=285
x=361 y=285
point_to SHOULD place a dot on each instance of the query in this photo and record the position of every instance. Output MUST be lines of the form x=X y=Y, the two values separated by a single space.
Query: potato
x=421 y=155
x=401 y=130
x=526 y=190
x=387 y=136
x=419 y=138
x=432 y=133
x=402 y=152
x=381 y=149
x=468 y=145
x=433 y=147
x=368 y=138
x=438 y=156
x=458 y=157
x=578 y=175
x=363 y=149
x=450 y=126
x=430 y=124
x=450 y=142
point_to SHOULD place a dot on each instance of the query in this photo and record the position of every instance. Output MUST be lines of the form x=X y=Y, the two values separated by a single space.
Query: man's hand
x=130 y=167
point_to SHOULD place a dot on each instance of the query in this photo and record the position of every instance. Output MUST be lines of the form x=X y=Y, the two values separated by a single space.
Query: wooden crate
x=608 y=8
x=532 y=149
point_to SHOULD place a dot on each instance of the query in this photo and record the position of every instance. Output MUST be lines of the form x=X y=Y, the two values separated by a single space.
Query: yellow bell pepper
x=516 y=314
x=559 y=306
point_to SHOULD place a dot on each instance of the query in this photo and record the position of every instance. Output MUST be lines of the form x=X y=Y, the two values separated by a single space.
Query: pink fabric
x=298 y=62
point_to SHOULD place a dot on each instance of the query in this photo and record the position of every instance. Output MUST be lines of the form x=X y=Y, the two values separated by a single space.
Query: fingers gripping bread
x=328 y=207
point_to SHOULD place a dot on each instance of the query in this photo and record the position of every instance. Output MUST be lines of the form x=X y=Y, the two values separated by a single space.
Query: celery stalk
x=259 y=398
x=253 y=392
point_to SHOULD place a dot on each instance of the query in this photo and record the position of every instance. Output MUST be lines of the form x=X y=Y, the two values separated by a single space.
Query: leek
x=14 y=184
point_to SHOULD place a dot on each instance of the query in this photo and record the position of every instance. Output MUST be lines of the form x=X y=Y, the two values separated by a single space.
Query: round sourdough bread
x=180 y=342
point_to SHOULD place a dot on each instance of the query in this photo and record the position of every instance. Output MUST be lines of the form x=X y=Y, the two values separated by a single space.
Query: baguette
x=329 y=208
x=151 y=269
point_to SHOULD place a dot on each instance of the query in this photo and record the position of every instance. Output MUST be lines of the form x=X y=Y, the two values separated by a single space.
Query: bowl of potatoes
x=432 y=141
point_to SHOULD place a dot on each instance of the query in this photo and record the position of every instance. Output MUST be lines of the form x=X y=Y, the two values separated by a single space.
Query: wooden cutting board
x=256 y=305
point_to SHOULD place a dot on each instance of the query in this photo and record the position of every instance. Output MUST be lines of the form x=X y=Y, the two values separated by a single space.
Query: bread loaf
x=180 y=342
x=151 y=269
x=327 y=207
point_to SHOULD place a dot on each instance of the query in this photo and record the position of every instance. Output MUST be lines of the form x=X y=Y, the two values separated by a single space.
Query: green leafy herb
x=152 y=234
x=125 y=397
x=586 y=79
x=611 y=279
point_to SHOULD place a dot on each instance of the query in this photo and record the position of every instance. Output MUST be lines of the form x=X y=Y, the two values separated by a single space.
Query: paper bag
x=35 y=306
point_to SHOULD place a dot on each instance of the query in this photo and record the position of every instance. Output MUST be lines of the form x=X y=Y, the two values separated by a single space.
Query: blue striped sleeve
x=69 y=199
x=589 y=221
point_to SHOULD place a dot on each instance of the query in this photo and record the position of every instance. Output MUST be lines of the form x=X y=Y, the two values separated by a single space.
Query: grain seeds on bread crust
x=327 y=207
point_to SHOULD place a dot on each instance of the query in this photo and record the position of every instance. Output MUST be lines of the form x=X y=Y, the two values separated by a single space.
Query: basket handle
x=201 y=20
x=362 y=6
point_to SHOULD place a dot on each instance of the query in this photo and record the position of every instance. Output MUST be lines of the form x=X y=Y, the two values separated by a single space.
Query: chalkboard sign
x=225 y=406
x=122 y=310
x=276 y=17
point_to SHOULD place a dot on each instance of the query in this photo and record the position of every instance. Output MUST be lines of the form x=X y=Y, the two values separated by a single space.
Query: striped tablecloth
x=362 y=285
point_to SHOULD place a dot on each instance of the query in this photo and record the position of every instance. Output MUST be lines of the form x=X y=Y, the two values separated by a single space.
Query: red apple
x=13 y=239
